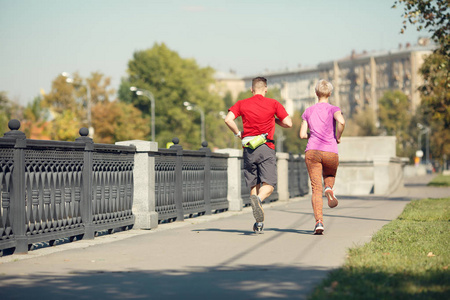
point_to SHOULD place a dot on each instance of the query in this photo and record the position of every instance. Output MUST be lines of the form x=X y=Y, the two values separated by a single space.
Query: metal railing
x=298 y=176
x=189 y=183
x=52 y=190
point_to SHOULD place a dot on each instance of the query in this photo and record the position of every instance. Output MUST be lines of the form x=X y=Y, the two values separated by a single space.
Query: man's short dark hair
x=259 y=83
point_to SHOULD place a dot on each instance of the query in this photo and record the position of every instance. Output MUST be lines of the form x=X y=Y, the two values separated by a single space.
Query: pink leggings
x=320 y=164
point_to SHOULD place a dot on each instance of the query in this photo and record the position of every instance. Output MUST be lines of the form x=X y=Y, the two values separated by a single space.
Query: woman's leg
x=313 y=160
x=330 y=162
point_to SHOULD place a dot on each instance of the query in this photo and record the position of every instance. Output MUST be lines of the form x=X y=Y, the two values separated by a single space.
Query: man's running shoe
x=332 y=200
x=319 y=228
x=258 y=211
x=258 y=227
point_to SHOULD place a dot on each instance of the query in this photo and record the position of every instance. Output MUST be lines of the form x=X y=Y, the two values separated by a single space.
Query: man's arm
x=286 y=122
x=340 y=125
x=229 y=120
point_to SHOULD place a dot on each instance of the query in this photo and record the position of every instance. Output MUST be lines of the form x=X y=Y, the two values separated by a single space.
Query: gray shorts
x=260 y=165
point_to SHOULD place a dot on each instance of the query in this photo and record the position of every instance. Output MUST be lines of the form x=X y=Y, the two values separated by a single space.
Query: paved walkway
x=211 y=257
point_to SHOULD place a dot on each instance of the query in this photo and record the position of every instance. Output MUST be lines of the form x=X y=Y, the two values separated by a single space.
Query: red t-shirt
x=258 y=115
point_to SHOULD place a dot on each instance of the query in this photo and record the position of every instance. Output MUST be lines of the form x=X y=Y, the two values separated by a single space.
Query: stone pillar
x=235 y=201
x=381 y=176
x=144 y=184
x=283 y=176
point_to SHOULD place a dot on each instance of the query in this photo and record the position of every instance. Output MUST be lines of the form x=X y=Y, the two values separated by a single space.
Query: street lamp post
x=190 y=106
x=149 y=95
x=425 y=129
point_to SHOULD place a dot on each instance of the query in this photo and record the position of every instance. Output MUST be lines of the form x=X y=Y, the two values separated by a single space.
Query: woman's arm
x=340 y=122
x=304 y=130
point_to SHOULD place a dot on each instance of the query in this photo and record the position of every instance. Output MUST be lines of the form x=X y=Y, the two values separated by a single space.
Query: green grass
x=440 y=180
x=407 y=259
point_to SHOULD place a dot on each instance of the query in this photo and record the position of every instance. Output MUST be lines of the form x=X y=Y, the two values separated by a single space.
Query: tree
x=173 y=80
x=4 y=112
x=361 y=123
x=74 y=95
x=65 y=126
x=99 y=87
x=228 y=100
x=63 y=96
x=8 y=110
x=35 y=123
x=117 y=121
x=292 y=142
x=395 y=118
x=435 y=105
x=273 y=93
x=431 y=15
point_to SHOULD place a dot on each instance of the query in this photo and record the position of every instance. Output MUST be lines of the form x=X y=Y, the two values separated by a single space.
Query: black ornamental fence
x=51 y=190
x=55 y=190
x=298 y=176
x=189 y=183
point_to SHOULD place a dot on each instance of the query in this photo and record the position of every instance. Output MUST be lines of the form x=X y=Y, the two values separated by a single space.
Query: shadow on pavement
x=328 y=216
x=244 y=282
x=246 y=232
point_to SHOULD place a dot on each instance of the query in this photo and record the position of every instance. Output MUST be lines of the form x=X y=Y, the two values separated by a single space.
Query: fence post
x=234 y=179
x=178 y=179
x=304 y=177
x=283 y=176
x=18 y=214
x=87 y=177
x=207 y=191
x=144 y=202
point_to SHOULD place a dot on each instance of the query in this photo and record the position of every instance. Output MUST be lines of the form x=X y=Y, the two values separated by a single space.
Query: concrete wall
x=364 y=148
x=368 y=165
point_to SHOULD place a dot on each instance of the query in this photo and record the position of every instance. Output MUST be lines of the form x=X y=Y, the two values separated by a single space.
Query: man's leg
x=256 y=203
x=258 y=194
x=264 y=191
x=255 y=190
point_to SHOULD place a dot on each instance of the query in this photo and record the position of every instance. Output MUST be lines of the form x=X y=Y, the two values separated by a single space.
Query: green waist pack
x=257 y=141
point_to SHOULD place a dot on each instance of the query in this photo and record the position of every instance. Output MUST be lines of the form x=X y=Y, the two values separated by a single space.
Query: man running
x=259 y=115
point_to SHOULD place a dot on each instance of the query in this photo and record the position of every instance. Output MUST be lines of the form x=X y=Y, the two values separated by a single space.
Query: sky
x=41 y=39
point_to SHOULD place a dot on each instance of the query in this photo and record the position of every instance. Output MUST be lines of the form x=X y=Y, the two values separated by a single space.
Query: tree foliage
x=395 y=117
x=8 y=110
x=362 y=123
x=68 y=103
x=432 y=15
x=35 y=120
x=118 y=121
x=292 y=142
x=174 y=80
x=435 y=91
x=435 y=105
x=273 y=93
x=63 y=96
x=65 y=126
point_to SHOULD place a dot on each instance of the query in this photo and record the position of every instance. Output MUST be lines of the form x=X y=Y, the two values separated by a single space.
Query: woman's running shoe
x=332 y=200
x=318 y=229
